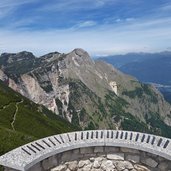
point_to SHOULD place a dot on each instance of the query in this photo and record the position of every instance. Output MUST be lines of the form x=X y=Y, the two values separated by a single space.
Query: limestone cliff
x=87 y=93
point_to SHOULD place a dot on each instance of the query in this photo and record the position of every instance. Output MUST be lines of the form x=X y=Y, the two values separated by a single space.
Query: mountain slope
x=88 y=93
x=22 y=121
x=153 y=68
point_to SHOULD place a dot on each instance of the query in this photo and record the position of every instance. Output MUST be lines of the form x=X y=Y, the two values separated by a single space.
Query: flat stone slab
x=28 y=155
x=117 y=156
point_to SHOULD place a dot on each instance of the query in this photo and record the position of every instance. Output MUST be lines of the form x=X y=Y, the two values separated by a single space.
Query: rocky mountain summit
x=91 y=94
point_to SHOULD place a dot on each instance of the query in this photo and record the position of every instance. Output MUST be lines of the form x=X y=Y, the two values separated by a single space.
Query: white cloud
x=129 y=19
x=118 y=20
x=147 y=35
x=85 y=24
x=72 y=5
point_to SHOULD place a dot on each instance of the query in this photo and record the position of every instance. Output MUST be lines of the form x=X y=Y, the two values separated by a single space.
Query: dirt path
x=15 y=114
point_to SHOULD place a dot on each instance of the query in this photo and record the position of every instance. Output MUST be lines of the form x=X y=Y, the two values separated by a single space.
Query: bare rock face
x=91 y=94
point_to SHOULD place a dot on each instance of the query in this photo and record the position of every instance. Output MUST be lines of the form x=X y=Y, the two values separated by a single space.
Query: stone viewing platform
x=95 y=150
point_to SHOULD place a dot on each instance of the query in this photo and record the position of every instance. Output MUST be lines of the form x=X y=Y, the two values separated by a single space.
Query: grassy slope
x=32 y=121
x=94 y=111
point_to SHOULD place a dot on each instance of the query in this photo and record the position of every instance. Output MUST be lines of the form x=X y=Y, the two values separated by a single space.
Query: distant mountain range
x=89 y=94
x=146 y=67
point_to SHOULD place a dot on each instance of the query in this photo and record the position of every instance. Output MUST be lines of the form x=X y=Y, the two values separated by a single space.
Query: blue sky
x=102 y=27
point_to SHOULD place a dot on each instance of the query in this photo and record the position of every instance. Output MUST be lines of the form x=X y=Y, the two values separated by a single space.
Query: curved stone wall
x=103 y=159
x=153 y=152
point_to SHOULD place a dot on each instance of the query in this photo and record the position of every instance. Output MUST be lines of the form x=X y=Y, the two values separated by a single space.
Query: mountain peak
x=79 y=57
x=80 y=52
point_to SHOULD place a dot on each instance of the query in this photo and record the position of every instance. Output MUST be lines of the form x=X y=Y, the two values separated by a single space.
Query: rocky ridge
x=87 y=93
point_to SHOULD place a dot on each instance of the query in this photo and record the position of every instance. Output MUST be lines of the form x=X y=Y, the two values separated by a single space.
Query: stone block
x=66 y=156
x=111 y=149
x=45 y=164
x=87 y=150
x=121 y=165
x=133 y=158
x=163 y=166
x=53 y=161
x=129 y=150
x=76 y=157
x=36 y=167
x=76 y=151
x=98 y=149
x=89 y=155
x=149 y=162
x=151 y=155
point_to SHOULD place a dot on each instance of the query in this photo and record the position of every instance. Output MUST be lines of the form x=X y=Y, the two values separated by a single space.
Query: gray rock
x=87 y=167
x=121 y=165
x=60 y=168
x=96 y=164
x=150 y=162
x=83 y=163
x=140 y=168
x=133 y=158
x=118 y=156
x=73 y=165
x=163 y=166
x=99 y=158
x=107 y=165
